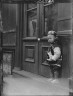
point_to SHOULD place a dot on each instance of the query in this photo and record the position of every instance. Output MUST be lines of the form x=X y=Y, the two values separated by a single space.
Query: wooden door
x=30 y=37
x=38 y=20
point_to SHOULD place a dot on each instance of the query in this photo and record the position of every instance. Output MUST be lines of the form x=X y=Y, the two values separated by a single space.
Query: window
x=31 y=20
x=31 y=23
x=29 y=6
x=50 y=16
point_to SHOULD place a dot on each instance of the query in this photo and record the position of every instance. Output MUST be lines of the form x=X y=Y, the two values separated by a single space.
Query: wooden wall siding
x=9 y=39
x=9 y=16
x=71 y=56
x=64 y=25
x=64 y=17
x=5 y=16
x=72 y=9
x=0 y=39
x=71 y=64
x=65 y=29
x=66 y=56
x=30 y=56
x=64 y=11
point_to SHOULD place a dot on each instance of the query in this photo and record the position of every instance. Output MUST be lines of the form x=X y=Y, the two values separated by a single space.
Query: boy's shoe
x=50 y=79
x=55 y=81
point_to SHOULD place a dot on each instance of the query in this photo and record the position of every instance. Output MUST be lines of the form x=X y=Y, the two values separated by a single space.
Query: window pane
x=31 y=23
x=29 y=6
x=48 y=1
x=50 y=18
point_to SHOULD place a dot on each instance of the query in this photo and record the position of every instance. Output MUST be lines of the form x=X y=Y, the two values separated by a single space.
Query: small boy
x=54 y=55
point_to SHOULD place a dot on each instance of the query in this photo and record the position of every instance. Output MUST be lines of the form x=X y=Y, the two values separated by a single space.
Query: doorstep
x=28 y=74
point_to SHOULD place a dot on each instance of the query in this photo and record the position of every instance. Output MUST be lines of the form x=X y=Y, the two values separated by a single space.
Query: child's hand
x=48 y=59
x=49 y=54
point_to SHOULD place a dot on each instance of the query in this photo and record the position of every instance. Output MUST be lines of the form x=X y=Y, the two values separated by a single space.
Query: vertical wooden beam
x=19 y=36
x=21 y=31
x=71 y=59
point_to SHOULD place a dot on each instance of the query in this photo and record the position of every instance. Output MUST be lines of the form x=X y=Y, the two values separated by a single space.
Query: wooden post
x=71 y=59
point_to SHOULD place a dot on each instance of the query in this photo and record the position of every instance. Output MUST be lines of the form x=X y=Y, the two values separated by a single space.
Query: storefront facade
x=30 y=26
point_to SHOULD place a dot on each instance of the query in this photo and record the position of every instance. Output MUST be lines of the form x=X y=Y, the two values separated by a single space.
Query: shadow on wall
x=65 y=46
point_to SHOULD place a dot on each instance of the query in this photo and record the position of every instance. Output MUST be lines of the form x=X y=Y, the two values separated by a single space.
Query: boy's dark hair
x=52 y=33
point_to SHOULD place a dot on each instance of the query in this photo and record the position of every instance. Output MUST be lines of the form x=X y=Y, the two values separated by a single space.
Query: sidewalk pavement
x=25 y=83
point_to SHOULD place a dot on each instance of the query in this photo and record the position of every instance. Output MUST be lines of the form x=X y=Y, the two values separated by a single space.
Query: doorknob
x=38 y=39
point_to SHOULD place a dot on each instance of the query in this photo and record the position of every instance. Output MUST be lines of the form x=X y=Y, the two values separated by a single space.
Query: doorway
x=38 y=20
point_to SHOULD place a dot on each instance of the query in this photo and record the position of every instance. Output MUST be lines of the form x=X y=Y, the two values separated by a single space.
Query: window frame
x=43 y=18
x=25 y=32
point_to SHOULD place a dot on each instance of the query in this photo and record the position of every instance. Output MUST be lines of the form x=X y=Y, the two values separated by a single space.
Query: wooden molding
x=9 y=31
x=65 y=32
x=30 y=51
x=29 y=38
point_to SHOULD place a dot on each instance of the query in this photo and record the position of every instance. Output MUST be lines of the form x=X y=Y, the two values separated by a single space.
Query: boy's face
x=51 y=38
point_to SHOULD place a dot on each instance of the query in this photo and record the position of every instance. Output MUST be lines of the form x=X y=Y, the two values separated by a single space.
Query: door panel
x=48 y=14
x=30 y=38
x=30 y=56
x=43 y=66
